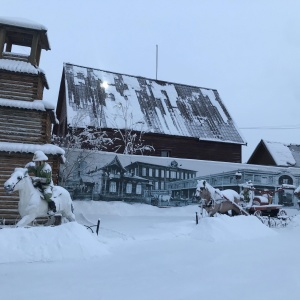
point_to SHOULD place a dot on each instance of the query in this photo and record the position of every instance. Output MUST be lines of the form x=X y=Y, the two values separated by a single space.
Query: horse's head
x=16 y=177
x=202 y=190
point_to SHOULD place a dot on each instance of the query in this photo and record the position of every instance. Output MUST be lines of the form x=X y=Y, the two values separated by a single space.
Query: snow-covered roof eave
x=23 y=23
x=181 y=136
x=31 y=148
x=17 y=66
x=222 y=141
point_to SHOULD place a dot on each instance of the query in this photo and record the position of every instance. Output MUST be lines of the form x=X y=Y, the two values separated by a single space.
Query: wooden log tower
x=25 y=118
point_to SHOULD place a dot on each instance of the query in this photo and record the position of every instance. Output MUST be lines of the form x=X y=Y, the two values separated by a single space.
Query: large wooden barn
x=176 y=120
x=25 y=118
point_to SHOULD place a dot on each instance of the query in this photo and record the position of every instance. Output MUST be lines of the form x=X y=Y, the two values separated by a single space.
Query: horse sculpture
x=31 y=205
x=216 y=201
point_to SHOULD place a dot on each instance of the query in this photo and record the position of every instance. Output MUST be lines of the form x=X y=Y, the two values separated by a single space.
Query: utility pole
x=156 y=60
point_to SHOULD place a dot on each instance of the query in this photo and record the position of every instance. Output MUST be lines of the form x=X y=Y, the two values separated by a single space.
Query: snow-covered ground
x=144 y=252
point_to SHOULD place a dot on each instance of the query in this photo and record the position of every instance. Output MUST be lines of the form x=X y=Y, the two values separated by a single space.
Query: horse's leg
x=70 y=216
x=235 y=211
x=26 y=220
x=213 y=211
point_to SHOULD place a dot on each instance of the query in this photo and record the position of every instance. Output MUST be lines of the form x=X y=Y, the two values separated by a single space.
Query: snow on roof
x=31 y=148
x=19 y=66
x=41 y=105
x=112 y=100
x=22 y=22
x=281 y=153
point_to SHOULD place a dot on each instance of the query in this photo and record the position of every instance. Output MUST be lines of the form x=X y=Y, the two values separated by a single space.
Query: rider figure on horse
x=42 y=178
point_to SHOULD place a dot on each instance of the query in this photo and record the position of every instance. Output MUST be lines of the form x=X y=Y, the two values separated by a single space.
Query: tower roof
x=15 y=26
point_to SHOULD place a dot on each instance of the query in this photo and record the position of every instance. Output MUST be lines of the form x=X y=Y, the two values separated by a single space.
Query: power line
x=287 y=127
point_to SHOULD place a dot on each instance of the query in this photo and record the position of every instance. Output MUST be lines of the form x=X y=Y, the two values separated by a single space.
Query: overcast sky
x=248 y=50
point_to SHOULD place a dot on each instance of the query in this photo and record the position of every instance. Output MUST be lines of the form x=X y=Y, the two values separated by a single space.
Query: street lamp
x=238 y=177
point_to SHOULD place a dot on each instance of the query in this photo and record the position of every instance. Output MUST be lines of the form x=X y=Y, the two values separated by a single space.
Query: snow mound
x=69 y=241
x=295 y=222
x=225 y=228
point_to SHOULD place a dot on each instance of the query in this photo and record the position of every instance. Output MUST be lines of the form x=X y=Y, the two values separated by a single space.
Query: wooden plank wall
x=192 y=148
x=187 y=147
x=24 y=126
x=9 y=202
x=19 y=86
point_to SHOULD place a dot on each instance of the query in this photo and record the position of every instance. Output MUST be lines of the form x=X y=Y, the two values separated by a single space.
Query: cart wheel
x=257 y=213
x=282 y=213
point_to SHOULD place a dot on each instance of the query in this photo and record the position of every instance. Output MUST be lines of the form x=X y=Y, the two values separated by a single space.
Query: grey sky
x=248 y=50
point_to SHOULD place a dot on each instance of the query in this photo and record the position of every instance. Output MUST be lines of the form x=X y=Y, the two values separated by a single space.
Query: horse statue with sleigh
x=217 y=201
x=31 y=204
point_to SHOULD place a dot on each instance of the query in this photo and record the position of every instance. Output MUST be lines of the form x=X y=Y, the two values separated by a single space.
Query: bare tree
x=130 y=136
x=79 y=144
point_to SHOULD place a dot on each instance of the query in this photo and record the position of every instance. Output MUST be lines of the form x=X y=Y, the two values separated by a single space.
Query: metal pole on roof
x=156 y=60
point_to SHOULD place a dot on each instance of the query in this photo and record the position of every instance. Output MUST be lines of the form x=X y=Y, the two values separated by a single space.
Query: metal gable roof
x=112 y=100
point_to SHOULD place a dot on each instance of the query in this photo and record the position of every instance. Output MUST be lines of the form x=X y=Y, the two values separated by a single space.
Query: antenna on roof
x=156 y=60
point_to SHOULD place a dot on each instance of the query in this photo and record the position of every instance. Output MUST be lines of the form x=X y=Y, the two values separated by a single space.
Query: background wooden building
x=177 y=120
x=276 y=154
x=25 y=119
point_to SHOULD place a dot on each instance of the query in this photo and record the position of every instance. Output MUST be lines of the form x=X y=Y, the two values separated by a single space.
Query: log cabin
x=174 y=120
x=25 y=118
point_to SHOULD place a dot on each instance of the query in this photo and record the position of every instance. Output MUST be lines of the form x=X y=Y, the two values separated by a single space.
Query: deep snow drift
x=140 y=222
x=145 y=252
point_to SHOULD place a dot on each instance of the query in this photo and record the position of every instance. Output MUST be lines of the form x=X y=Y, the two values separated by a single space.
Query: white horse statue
x=31 y=205
x=216 y=201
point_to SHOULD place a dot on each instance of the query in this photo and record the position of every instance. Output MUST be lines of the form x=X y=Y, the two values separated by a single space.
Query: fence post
x=98 y=226
x=196 y=218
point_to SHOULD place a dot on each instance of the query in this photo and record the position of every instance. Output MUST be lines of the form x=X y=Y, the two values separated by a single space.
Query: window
x=156 y=185
x=173 y=174
x=162 y=185
x=150 y=173
x=112 y=187
x=144 y=172
x=138 y=188
x=165 y=153
x=167 y=174
x=156 y=172
x=162 y=173
x=264 y=179
x=128 y=188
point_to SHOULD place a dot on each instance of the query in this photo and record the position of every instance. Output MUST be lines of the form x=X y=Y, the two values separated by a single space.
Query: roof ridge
x=138 y=76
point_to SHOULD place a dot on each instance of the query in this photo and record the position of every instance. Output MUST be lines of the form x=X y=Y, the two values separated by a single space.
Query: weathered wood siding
x=191 y=148
x=186 y=147
x=9 y=202
x=261 y=156
x=20 y=86
x=24 y=126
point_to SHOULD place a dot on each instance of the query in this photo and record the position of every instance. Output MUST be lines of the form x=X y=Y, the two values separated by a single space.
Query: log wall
x=19 y=86
x=24 y=126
